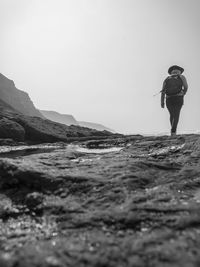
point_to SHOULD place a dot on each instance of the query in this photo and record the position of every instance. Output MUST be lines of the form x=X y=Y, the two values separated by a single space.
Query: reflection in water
x=98 y=151
x=20 y=151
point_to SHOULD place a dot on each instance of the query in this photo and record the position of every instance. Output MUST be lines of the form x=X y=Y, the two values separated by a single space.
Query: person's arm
x=185 y=84
x=163 y=95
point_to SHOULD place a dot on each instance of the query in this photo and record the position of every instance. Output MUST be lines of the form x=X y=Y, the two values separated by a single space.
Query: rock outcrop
x=11 y=129
x=43 y=130
x=16 y=98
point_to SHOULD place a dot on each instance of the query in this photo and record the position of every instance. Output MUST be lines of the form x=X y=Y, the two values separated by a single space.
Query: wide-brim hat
x=175 y=67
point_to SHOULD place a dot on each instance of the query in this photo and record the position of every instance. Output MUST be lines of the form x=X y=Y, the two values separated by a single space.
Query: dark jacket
x=182 y=93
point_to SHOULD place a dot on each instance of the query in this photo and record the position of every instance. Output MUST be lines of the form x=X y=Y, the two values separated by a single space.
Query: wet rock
x=34 y=199
x=125 y=208
x=53 y=261
x=26 y=174
x=6 y=260
x=9 y=142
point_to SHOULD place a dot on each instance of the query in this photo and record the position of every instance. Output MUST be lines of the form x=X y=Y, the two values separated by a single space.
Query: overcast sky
x=103 y=60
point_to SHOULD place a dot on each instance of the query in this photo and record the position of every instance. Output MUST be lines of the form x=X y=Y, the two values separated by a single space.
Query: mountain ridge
x=17 y=98
x=20 y=120
x=69 y=119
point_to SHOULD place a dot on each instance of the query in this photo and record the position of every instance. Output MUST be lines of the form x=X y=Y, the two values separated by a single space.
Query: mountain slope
x=96 y=126
x=70 y=120
x=16 y=98
x=58 y=117
x=20 y=120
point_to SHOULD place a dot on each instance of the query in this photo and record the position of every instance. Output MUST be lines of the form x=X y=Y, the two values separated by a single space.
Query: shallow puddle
x=20 y=151
x=98 y=151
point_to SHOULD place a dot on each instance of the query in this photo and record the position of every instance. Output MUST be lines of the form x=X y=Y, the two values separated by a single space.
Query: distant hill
x=58 y=117
x=70 y=120
x=16 y=98
x=96 y=126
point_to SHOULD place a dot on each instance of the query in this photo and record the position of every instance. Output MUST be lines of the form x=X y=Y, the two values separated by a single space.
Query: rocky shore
x=67 y=205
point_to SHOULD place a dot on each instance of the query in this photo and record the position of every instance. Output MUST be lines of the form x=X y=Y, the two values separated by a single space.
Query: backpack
x=173 y=85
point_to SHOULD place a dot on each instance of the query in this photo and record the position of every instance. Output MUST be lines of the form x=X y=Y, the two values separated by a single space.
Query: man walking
x=174 y=88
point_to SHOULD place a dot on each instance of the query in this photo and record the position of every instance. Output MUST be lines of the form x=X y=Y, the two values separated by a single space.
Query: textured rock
x=11 y=129
x=136 y=207
x=8 y=142
x=34 y=199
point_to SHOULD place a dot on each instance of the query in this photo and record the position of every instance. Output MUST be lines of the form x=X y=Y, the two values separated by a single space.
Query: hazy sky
x=103 y=60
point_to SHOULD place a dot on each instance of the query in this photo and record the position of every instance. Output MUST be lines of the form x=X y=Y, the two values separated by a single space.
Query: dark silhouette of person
x=174 y=89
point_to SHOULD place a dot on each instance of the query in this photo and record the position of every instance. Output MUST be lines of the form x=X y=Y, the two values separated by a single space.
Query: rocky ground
x=138 y=206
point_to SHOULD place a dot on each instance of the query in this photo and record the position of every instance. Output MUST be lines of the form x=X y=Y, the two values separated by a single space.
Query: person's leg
x=170 y=108
x=177 y=110
x=171 y=117
x=178 y=103
x=174 y=105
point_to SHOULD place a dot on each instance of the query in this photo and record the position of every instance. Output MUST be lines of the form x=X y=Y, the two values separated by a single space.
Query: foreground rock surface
x=139 y=206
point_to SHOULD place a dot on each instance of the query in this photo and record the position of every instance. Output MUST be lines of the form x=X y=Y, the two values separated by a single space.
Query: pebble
x=53 y=261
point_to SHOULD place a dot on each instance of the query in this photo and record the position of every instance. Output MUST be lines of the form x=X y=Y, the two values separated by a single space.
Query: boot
x=173 y=134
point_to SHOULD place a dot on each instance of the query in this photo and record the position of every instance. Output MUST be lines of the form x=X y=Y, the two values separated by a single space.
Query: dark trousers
x=174 y=105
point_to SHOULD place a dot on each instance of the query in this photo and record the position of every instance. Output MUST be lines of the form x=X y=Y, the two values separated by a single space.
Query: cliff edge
x=16 y=98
